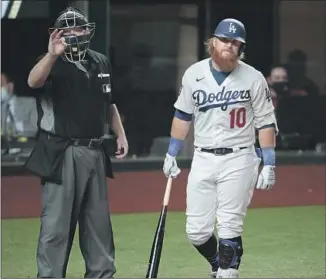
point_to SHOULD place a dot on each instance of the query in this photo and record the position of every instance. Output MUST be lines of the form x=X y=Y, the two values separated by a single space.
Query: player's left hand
x=266 y=179
x=122 y=147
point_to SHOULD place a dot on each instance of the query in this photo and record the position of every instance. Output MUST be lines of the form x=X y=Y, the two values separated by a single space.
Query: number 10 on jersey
x=237 y=118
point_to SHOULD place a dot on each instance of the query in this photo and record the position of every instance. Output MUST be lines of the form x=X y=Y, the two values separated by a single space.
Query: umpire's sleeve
x=109 y=70
x=46 y=89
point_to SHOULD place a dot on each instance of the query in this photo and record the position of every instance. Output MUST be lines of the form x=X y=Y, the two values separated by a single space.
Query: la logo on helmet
x=232 y=28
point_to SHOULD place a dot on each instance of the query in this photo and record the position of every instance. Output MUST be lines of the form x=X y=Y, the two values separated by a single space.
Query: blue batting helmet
x=232 y=29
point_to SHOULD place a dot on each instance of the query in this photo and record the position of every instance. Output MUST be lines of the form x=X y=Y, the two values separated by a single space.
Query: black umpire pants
x=81 y=198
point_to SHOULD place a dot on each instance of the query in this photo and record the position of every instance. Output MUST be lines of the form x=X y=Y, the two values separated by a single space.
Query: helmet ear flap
x=242 y=48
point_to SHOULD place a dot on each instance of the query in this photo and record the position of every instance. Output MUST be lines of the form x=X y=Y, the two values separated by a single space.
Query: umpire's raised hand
x=57 y=44
x=170 y=167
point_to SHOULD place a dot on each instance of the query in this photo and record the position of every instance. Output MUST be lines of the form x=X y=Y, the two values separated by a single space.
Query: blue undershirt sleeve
x=183 y=115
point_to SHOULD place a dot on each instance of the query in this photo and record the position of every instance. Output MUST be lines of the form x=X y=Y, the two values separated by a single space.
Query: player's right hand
x=57 y=44
x=170 y=167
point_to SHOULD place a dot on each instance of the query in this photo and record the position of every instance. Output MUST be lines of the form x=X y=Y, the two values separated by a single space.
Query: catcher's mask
x=77 y=32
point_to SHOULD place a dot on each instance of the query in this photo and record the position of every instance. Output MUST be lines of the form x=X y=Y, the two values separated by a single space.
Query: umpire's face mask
x=77 y=40
x=77 y=32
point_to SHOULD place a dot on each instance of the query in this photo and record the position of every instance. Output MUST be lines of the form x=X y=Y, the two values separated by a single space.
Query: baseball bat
x=156 y=250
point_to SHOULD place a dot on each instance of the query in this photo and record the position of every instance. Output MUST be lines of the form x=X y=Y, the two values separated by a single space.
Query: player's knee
x=198 y=237
x=230 y=253
x=230 y=229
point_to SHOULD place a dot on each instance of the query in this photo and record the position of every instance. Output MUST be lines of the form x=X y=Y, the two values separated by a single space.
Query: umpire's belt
x=222 y=151
x=90 y=143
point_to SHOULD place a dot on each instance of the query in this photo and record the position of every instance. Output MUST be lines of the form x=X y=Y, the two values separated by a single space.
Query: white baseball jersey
x=226 y=115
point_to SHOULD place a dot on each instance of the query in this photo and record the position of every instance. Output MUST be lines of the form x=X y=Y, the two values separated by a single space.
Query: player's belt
x=221 y=151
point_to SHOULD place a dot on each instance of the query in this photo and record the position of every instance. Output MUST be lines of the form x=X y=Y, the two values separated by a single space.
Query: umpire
x=71 y=155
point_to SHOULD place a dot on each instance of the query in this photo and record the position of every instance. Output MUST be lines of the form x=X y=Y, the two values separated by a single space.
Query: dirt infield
x=143 y=191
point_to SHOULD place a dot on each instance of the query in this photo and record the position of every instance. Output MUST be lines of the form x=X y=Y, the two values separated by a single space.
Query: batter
x=229 y=100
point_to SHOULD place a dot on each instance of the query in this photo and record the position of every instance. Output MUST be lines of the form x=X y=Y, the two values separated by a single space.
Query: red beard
x=225 y=64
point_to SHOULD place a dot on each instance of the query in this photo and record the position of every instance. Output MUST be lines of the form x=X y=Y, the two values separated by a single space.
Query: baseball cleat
x=213 y=274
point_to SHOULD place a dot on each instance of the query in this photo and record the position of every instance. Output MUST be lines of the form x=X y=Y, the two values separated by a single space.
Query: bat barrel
x=156 y=251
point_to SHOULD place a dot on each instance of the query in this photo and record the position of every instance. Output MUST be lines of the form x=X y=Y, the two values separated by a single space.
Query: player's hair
x=209 y=48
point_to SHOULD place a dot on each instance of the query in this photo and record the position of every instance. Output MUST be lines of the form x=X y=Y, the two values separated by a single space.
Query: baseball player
x=71 y=154
x=229 y=101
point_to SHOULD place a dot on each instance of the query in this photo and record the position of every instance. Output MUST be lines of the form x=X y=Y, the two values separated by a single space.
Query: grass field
x=278 y=243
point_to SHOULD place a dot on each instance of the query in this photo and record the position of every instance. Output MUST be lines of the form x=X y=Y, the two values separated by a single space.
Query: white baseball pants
x=220 y=188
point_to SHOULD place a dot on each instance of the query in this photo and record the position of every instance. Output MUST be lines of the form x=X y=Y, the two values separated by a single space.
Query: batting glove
x=170 y=167
x=266 y=179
